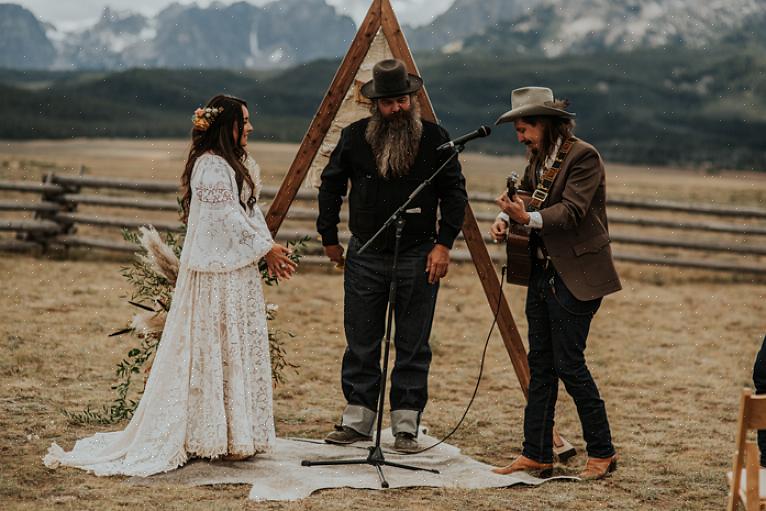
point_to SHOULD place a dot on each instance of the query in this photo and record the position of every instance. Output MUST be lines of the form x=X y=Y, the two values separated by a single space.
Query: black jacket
x=374 y=198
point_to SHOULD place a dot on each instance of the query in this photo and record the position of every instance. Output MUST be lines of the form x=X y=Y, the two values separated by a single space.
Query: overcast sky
x=74 y=12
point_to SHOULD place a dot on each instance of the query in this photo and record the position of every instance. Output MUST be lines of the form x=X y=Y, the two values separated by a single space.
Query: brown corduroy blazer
x=575 y=229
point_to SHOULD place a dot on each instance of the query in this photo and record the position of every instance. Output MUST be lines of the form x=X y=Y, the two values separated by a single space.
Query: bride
x=209 y=393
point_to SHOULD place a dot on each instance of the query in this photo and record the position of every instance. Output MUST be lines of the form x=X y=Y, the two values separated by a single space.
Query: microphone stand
x=376 y=458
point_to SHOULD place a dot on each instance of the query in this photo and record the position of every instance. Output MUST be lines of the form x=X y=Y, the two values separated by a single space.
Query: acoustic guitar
x=517 y=242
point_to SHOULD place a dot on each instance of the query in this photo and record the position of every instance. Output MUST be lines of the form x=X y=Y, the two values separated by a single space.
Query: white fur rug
x=280 y=475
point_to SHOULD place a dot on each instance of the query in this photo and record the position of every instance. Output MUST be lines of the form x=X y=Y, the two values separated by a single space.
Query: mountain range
x=241 y=35
x=683 y=107
x=284 y=33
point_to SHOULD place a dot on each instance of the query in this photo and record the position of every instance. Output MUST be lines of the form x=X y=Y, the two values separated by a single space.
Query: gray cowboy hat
x=390 y=80
x=532 y=101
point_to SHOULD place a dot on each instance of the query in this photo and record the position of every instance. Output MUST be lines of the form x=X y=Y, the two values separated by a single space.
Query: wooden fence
x=56 y=218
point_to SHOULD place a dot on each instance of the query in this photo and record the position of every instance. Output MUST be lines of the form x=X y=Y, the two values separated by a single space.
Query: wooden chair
x=752 y=416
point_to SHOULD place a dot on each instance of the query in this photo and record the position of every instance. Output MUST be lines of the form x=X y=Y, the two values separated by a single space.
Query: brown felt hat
x=390 y=80
x=532 y=101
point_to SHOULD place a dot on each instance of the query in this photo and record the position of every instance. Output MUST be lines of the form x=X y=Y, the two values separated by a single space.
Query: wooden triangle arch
x=381 y=15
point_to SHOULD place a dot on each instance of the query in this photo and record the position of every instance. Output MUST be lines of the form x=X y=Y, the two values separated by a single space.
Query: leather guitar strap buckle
x=543 y=187
x=540 y=195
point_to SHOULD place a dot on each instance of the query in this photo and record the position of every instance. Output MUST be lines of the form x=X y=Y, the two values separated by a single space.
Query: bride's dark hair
x=219 y=139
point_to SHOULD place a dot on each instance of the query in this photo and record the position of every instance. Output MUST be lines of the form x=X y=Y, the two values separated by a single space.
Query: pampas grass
x=158 y=254
x=149 y=323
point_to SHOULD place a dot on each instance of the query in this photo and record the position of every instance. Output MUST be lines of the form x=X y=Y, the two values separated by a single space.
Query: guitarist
x=571 y=270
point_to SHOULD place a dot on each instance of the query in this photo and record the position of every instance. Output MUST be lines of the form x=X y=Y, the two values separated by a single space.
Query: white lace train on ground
x=209 y=391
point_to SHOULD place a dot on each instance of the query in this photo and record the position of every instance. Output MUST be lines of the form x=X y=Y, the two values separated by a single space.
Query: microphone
x=483 y=131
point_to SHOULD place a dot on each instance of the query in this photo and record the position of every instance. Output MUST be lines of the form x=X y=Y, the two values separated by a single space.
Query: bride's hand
x=278 y=262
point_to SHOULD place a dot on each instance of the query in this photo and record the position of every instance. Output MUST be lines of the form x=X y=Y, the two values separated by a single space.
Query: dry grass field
x=670 y=354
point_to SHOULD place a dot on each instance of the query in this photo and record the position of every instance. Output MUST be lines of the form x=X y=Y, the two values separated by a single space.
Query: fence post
x=42 y=238
x=57 y=197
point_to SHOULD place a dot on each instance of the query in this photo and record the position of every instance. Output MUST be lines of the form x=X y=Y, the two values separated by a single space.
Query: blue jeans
x=558 y=328
x=759 y=380
x=366 y=283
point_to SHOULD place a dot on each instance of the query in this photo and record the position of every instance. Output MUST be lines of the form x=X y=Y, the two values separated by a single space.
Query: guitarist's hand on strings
x=498 y=230
x=515 y=208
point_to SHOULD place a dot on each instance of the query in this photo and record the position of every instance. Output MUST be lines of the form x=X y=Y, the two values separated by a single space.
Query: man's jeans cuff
x=405 y=421
x=359 y=418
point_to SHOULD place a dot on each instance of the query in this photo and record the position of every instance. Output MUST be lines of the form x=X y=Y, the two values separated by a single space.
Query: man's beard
x=395 y=140
x=534 y=157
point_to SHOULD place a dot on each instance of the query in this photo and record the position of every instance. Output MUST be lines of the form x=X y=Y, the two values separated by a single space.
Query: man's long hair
x=219 y=139
x=554 y=128
x=395 y=140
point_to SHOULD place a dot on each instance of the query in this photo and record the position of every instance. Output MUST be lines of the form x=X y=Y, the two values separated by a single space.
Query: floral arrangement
x=203 y=118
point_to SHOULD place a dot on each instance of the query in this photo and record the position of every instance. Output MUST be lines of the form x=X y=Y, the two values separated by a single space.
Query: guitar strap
x=546 y=181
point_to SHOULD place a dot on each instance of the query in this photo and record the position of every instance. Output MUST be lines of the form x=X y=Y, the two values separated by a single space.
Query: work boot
x=598 y=468
x=524 y=464
x=406 y=442
x=343 y=435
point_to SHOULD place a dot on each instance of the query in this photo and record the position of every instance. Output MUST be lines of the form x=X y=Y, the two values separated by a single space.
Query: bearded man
x=385 y=157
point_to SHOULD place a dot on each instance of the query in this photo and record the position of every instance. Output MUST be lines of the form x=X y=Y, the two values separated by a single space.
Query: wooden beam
x=690 y=263
x=29 y=186
x=14 y=245
x=112 y=221
x=82 y=241
x=492 y=289
x=704 y=246
x=38 y=226
x=746 y=230
x=11 y=205
x=697 y=209
x=269 y=192
x=322 y=121
x=121 y=202
x=657 y=205
x=117 y=183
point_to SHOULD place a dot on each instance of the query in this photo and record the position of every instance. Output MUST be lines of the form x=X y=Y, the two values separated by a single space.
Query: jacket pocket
x=368 y=190
x=365 y=190
x=592 y=245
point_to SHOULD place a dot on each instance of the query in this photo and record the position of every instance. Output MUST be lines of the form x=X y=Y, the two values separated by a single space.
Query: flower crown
x=203 y=118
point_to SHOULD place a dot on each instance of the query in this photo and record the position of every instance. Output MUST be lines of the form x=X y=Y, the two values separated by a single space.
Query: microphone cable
x=481 y=370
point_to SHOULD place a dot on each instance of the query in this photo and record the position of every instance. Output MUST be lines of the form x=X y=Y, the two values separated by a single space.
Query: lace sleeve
x=220 y=236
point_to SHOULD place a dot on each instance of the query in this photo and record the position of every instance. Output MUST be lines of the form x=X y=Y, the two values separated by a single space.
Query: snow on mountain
x=282 y=33
x=556 y=27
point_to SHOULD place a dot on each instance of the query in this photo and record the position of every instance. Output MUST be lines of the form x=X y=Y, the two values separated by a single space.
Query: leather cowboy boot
x=598 y=468
x=524 y=464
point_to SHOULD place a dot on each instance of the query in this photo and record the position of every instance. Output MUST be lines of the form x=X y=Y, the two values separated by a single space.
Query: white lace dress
x=209 y=392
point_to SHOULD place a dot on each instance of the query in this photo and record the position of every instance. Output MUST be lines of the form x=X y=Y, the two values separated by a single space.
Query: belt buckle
x=540 y=195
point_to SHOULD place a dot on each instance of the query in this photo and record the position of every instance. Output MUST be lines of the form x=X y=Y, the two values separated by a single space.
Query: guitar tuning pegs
x=512 y=184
